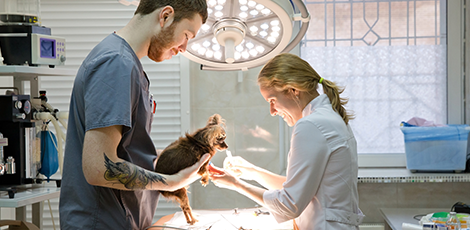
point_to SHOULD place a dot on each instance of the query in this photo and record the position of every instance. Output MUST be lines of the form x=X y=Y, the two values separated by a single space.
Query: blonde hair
x=288 y=71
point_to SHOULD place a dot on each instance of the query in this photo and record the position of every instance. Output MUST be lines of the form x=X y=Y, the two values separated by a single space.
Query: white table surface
x=395 y=217
x=29 y=194
x=228 y=219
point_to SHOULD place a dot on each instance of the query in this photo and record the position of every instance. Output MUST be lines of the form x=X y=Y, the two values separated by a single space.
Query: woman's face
x=282 y=104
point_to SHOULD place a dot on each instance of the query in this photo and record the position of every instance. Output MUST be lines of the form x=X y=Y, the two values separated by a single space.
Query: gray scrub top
x=110 y=88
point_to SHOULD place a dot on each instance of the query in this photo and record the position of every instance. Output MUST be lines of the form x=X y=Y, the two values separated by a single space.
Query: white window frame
x=455 y=80
x=455 y=98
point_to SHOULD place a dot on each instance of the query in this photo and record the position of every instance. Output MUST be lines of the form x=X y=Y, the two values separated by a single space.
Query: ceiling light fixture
x=242 y=34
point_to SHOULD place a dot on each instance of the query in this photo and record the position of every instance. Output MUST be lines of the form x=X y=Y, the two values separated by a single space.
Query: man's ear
x=166 y=15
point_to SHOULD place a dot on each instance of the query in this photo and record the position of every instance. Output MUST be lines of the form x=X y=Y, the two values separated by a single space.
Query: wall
x=373 y=196
x=251 y=131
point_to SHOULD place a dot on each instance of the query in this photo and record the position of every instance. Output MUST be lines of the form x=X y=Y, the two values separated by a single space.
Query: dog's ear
x=214 y=119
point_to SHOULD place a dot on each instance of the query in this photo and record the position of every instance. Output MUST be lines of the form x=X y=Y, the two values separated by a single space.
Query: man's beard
x=161 y=43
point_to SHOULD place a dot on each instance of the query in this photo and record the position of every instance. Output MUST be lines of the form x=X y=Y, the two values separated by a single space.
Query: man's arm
x=102 y=167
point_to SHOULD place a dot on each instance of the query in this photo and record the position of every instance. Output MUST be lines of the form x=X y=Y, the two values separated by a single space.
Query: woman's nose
x=273 y=111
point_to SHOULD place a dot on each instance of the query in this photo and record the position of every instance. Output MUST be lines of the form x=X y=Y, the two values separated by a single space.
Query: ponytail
x=333 y=91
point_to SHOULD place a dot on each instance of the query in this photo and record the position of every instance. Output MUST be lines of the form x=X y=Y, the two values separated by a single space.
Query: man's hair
x=184 y=9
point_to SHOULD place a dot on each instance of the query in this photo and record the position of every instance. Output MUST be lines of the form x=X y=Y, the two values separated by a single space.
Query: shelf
x=29 y=194
x=377 y=175
x=32 y=194
x=395 y=217
x=32 y=74
x=27 y=71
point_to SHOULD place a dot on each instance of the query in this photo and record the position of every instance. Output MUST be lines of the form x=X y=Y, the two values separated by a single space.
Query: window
x=391 y=57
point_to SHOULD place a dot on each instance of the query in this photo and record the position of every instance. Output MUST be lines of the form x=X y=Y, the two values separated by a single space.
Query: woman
x=320 y=188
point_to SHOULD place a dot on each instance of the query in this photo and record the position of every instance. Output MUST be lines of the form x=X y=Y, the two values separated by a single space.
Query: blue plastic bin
x=436 y=148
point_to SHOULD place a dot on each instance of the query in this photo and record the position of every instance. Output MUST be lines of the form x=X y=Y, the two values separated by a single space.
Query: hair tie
x=321 y=80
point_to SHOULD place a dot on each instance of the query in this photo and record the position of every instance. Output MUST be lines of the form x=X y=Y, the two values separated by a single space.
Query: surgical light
x=243 y=34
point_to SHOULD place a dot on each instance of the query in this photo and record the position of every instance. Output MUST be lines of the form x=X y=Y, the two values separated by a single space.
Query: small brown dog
x=188 y=150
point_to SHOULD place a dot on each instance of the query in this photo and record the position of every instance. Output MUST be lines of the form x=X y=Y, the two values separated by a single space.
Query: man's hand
x=189 y=175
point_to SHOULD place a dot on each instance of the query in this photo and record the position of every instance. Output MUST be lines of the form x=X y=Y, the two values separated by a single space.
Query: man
x=108 y=179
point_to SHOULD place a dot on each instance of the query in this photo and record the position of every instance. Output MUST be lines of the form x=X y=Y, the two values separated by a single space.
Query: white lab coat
x=320 y=191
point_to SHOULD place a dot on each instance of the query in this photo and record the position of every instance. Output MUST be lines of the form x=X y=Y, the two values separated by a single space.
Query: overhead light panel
x=129 y=2
x=242 y=34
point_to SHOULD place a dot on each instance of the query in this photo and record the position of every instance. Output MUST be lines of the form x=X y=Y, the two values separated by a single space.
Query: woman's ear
x=166 y=15
x=295 y=93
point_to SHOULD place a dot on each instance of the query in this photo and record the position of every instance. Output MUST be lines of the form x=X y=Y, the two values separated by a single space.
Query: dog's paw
x=192 y=222
x=204 y=182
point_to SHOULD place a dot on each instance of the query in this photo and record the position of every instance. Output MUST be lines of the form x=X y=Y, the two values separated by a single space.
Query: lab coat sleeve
x=307 y=161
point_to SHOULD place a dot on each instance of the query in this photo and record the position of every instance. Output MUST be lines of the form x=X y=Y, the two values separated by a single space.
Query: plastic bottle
x=453 y=222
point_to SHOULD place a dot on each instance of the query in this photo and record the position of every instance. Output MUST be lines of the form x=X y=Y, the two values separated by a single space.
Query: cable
x=62 y=122
x=303 y=29
x=52 y=139
x=419 y=216
x=61 y=116
x=164 y=226
x=52 y=216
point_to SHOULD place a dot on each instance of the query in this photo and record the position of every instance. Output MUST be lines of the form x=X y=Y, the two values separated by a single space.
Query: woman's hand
x=225 y=180
x=239 y=167
x=243 y=169
x=214 y=169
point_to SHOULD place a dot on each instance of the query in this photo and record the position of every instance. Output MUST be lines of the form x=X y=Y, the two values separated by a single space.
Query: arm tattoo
x=131 y=176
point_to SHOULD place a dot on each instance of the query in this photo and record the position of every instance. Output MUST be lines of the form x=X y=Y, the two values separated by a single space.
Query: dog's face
x=215 y=132
x=214 y=136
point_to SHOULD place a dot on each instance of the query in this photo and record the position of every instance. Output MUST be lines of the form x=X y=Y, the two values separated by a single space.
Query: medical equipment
x=239 y=35
x=23 y=41
x=24 y=158
x=21 y=154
